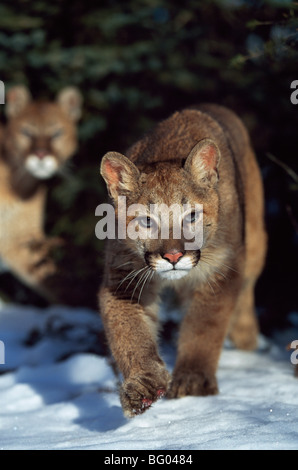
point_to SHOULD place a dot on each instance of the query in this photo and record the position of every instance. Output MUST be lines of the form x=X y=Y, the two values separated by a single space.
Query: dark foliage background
x=136 y=62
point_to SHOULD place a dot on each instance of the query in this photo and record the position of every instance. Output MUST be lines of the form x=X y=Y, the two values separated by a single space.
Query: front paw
x=138 y=392
x=192 y=383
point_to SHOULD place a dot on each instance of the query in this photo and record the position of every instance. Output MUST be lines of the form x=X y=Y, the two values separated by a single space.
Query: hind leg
x=244 y=327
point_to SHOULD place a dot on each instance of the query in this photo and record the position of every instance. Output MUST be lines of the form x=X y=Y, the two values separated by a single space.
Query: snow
x=58 y=390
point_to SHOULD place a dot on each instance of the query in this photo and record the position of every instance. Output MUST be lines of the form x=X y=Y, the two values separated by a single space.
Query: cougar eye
x=58 y=133
x=192 y=217
x=146 y=222
x=26 y=132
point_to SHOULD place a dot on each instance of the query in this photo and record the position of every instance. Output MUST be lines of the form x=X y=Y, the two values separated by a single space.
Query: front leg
x=131 y=333
x=200 y=342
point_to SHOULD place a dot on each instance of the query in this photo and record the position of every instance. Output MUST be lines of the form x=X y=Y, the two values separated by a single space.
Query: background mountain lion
x=37 y=141
x=197 y=156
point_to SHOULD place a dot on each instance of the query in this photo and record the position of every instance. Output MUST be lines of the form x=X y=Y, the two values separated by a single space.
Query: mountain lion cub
x=38 y=139
x=198 y=158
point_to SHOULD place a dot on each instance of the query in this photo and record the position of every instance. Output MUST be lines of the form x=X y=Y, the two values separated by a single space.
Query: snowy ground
x=58 y=391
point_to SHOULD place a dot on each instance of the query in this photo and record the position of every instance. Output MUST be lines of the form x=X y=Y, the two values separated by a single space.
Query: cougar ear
x=119 y=173
x=71 y=101
x=17 y=99
x=203 y=160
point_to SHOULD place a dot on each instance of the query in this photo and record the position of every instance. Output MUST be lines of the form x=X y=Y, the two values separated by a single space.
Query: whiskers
x=141 y=276
x=220 y=269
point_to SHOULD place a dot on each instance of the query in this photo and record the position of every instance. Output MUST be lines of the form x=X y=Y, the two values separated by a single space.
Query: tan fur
x=202 y=156
x=40 y=132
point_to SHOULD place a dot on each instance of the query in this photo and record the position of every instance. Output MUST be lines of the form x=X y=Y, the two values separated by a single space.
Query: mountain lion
x=37 y=141
x=199 y=157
